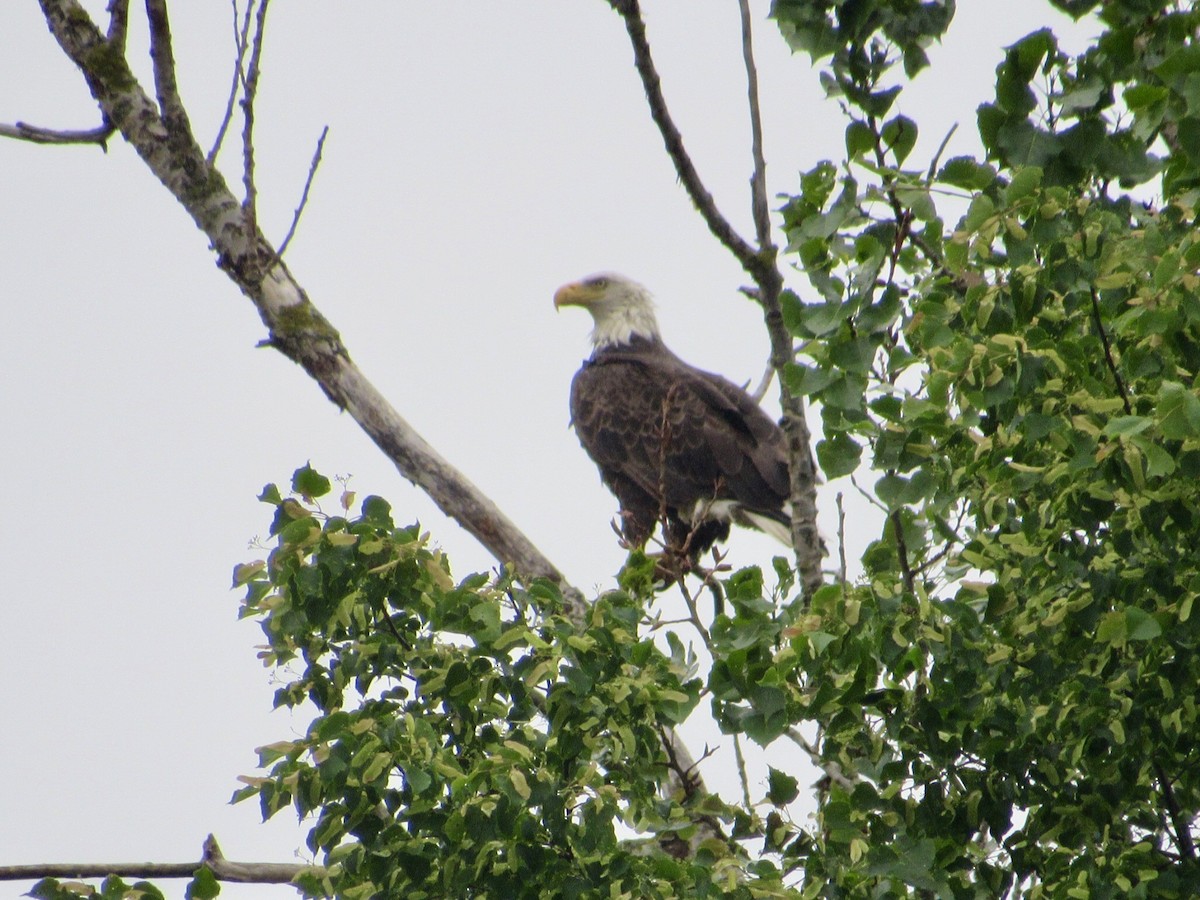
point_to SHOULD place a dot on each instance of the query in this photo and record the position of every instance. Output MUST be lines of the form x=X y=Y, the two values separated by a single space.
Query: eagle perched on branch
x=674 y=444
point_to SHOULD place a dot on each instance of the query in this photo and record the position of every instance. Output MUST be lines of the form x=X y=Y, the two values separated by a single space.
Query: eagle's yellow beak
x=576 y=293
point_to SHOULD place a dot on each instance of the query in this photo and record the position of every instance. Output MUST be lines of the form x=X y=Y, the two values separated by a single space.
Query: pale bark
x=223 y=869
x=161 y=135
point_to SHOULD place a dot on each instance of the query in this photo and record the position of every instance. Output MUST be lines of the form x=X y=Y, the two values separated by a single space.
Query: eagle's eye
x=598 y=282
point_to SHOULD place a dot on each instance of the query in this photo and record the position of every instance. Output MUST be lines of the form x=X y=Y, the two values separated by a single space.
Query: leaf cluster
x=469 y=739
x=1011 y=684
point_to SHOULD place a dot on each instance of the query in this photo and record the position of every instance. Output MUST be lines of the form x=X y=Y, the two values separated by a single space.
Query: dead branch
x=758 y=179
x=721 y=228
x=312 y=173
x=249 y=93
x=23 y=131
x=295 y=326
x=240 y=39
x=223 y=869
x=760 y=263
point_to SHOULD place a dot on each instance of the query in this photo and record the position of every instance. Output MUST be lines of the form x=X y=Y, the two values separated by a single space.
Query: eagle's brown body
x=679 y=445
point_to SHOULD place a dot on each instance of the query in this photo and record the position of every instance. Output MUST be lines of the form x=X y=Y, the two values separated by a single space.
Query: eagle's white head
x=621 y=307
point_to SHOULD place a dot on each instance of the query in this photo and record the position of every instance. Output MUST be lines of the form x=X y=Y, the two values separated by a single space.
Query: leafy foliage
x=1013 y=683
x=470 y=740
x=1006 y=355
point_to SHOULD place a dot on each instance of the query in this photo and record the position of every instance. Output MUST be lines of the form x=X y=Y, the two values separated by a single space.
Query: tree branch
x=118 y=23
x=1179 y=820
x=240 y=39
x=758 y=179
x=23 y=131
x=162 y=54
x=1108 y=354
x=250 y=91
x=760 y=264
x=223 y=869
x=631 y=13
x=830 y=767
x=312 y=173
x=295 y=326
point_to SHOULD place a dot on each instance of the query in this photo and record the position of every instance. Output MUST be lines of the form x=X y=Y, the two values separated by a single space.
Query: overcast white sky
x=480 y=154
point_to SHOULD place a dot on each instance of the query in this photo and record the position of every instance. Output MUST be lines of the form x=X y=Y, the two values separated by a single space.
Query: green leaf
x=890 y=490
x=782 y=788
x=981 y=209
x=838 y=455
x=1140 y=625
x=1127 y=425
x=859 y=139
x=1024 y=182
x=965 y=172
x=309 y=483
x=1178 y=411
x=899 y=135
x=270 y=494
x=204 y=886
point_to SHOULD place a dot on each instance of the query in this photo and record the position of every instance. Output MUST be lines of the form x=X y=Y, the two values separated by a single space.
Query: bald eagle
x=674 y=444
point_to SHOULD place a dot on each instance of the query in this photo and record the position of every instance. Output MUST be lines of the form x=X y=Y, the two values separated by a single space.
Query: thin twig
x=721 y=228
x=933 y=163
x=240 y=39
x=767 y=377
x=1108 y=354
x=312 y=171
x=23 y=131
x=250 y=201
x=741 y=766
x=841 y=541
x=758 y=179
x=829 y=767
x=694 y=613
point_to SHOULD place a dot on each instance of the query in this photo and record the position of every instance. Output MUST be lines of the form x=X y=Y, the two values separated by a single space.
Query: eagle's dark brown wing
x=667 y=437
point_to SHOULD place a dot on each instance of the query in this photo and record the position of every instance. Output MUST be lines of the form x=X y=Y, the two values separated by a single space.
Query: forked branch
x=759 y=262
x=295 y=326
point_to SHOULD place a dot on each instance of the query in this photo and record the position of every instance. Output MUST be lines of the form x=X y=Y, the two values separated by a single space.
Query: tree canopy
x=1005 y=354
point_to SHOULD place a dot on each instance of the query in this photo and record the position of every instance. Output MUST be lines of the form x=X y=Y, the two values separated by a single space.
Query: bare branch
x=841 y=541
x=631 y=13
x=758 y=180
x=767 y=377
x=1108 y=354
x=1179 y=819
x=23 y=131
x=223 y=869
x=250 y=201
x=162 y=54
x=740 y=758
x=312 y=172
x=118 y=23
x=937 y=156
x=295 y=326
x=240 y=39
x=761 y=265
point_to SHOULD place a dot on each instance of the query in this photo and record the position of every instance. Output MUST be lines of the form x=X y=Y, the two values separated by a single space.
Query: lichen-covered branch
x=295 y=326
